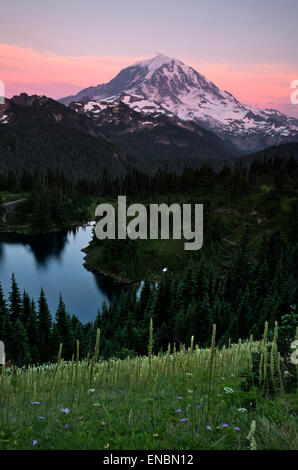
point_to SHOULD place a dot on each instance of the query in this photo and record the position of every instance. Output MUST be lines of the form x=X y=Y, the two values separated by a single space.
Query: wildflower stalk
x=250 y=437
x=265 y=350
x=279 y=372
x=57 y=365
x=261 y=369
x=150 y=345
x=95 y=356
x=3 y=374
x=77 y=360
x=210 y=369
x=273 y=354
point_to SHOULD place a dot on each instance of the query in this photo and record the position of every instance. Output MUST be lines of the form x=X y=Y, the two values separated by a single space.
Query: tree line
x=258 y=284
x=254 y=289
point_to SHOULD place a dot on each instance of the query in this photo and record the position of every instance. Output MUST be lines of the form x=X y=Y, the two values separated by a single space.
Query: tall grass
x=185 y=399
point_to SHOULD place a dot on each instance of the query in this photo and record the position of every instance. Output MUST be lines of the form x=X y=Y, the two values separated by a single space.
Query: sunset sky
x=57 y=48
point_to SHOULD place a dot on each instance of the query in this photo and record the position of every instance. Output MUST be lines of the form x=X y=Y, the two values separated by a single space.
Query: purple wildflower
x=209 y=428
x=35 y=403
x=236 y=429
x=41 y=417
x=103 y=423
x=183 y=420
x=178 y=411
x=66 y=427
x=224 y=425
x=35 y=442
x=180 y=398
x=198 y=406
x=65 y=411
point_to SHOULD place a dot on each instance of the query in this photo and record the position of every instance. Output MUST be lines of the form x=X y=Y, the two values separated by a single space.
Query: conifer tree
x=26 y=308
x=45 y=328
x=15 y=302
x=32 y=329
x=63 y=331
x=19 y=344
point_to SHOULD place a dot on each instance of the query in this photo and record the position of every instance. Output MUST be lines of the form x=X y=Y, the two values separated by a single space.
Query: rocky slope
x=167 y=86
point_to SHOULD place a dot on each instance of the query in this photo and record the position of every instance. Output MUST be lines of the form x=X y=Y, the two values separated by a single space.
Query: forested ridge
x=238 y=289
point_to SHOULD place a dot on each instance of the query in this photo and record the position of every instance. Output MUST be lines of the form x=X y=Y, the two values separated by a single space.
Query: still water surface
x=55 y=261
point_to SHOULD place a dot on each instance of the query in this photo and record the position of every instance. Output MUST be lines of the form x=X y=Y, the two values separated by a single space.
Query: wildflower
x=35 y=442
x=180 y=398
x=198 y=406
x=224 y=425
x=178 y=411
x=65 y=411
x=209 y=428
x=66 y=427
x=155 y=435
x=103 y=423
x=107 y=446
x=242 y=410
x=41 y=417
x=183 y=420
x=228 y=390
x=35 y=403
x=91 y=390
x=236 y=429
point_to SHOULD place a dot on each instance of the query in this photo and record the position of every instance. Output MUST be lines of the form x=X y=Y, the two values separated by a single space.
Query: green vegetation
x=246 y=274
x=264 y=198
x=52 y=202
x=192 y=398
x=122 y=392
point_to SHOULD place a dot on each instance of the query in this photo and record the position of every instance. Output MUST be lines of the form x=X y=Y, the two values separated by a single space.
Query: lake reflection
x=55 y=261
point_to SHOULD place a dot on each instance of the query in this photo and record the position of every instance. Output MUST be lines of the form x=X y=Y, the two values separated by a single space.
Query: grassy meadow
x=236 y=397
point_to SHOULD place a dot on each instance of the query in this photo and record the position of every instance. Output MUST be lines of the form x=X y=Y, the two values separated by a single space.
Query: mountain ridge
x=167 y=86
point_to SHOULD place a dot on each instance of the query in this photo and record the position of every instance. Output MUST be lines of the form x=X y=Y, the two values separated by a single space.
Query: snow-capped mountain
x=163 y=85
x=152 y=136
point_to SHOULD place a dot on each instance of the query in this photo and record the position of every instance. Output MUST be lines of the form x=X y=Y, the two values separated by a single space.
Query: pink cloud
x=261 y=85
x=25 y=69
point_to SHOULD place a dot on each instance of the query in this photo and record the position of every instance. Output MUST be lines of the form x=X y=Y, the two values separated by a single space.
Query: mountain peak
x=156 y=62
x=165 y=85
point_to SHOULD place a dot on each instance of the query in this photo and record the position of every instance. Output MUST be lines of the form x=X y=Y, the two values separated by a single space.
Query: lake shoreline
x=16 y=230
x=108 y=275
x=55 y=262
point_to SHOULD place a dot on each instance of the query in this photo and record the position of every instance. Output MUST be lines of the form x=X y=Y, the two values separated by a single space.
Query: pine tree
x=19 y=346
x=15 y=302
x=63 y=331
x=26 y=308
x=45 y=328
x=32 y=329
